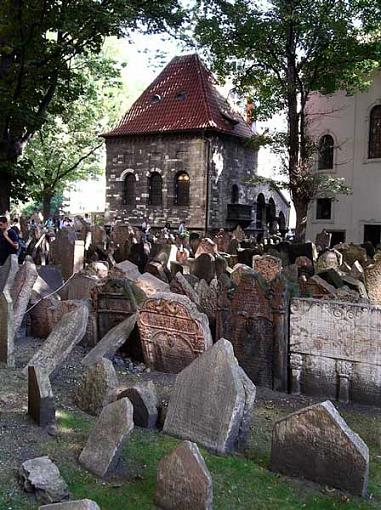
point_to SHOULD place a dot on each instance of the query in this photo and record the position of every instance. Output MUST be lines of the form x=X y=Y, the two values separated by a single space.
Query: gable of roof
x=183 y=97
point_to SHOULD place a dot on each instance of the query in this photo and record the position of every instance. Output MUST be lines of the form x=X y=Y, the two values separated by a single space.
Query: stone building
x=182 y=154
x=347 y=131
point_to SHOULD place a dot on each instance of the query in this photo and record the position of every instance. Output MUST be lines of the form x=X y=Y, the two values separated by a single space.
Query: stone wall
x=335 y=350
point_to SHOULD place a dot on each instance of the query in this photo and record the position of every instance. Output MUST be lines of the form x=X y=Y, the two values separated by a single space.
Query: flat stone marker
x=79 y=504
x=144 y=400
x=212 y=400
x=69 y=331
x=42 y=476
x=316 y=443
x=111 y=342
x=103 y=447
x=183 y=480
x=40 y=397
x=97 y=382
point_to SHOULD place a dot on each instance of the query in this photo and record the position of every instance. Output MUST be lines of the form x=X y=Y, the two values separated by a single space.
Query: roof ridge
x=201 y=67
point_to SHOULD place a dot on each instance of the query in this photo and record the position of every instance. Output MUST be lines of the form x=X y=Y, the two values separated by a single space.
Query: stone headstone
x=68 y=252
x=316 y=443
x=69 y=331
x=239 y=234
x=40 y=397
x=204 y=267
x=130 y=270
x=206 y=246
x=323 y=240
x=79 y=504
x=211 y=398
x=8 y=273
x=179 y=285
x=144 y=401
x=267 y=265
x=111 y=342
x=357 y=271
x=96 y=384
x=329 y=259
x=183 y=480
x=157 y=269
x=172 y=331
x=103 y=447
x=150 y=285
x=52 y=277
x=208 y=298
x=79 y=286
x=373 y=281
x=222 y=240
x=333 y=277
x=317 y=287
x=21 y=290
x=42 y=477
x=238 y=271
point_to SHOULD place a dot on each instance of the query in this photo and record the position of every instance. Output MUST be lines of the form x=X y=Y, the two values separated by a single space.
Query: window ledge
x=368 y=161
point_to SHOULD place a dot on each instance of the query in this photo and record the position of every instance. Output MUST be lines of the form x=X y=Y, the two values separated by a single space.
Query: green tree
x=38 y=42
x=67 y=148
x=278 y=52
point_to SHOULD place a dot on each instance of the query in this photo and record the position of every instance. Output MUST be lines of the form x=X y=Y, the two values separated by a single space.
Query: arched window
x=261 y=211
x=235 y=194
x=325 y=158
x=182 y=189
x=375 y=133
x=155 y=189
x=129 y=191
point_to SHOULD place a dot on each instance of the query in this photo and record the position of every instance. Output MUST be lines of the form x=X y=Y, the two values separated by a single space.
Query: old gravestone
x=206 y=246
x=212 y=401
x=150 y=285
x=204 y=267
x=316 y=443
x=267 y=265
x=69 y=331
x=323 y=240
x=21 y=290
x=68 y=252
x=180 y=285
x=145 y=403
x=78 y=504
x=103 y=447
x=183 y=480
x=373 y=280
x=40 y=397
x=172 y=331
x=7 y=332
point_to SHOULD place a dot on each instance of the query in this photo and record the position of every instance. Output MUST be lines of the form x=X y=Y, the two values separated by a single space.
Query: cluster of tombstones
x=178 y=313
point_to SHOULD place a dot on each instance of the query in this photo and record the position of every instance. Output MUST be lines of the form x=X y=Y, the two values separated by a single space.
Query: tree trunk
x=5 y=191
x=301 y=209
x=46 y=205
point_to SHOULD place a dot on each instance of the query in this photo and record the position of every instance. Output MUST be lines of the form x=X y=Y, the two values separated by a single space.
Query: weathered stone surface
x=238 y=271
x=111 y=342
x=68 y=252
x=79 y=286
x=373 y=281
x=204 y=267
x=239 y=234
x=105 y=441
x=317 y=287
x=352 y=252
x=97 y=382
x=316 y=443
x=210 y=400
x=7 y=329
x=333 y=277
x=8 y=273
x=323 y=240
x=51 y=277
x=42 y=477
x=172 y=331
x=326 y=333
x=179 y=285
x=79 y=504
x=68 y=332
x=183 y=480
x=144 y=400
x=21 y=291
x=40 y=397
x=151 y=285
x=357 y=271
x=208 y=298
x=206 y=246
x=40 y=326
x=267 y=265
x=328 y=260
x=157 y=270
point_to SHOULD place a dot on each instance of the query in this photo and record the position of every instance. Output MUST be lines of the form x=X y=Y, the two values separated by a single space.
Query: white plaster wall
x=346 y=118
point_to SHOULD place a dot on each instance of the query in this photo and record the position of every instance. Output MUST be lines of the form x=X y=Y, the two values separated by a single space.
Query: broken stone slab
x=129 y=269
x=151 y=285
x=102 y=451
x=183 y=480
x=211 y=398
x=42 y=477
x=111 y=342
x=97 y=382
x=69 y=332
x=144 y=400
x=40 y=397
x=316 y=443
x=21 y=291
x=79 y=504
x=333 y=277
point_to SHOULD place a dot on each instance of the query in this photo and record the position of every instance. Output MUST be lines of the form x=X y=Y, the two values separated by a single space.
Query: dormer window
x=181 y=95
x=156 y=98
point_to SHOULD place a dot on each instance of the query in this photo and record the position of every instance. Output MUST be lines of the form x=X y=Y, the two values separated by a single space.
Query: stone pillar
x=296 y=363
x=344 y=370
x=280 y=309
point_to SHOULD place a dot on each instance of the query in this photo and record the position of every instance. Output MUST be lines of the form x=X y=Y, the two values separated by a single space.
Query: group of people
x=166 y=232
x=9 y=238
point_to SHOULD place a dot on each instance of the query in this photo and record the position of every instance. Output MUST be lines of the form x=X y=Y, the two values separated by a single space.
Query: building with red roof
x=181 y=154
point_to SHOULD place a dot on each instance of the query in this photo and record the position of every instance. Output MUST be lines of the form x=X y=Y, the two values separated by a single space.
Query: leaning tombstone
x=69 y=332
x=144 y=400
x=323 y=240
x=150 y=285
x=316 y=443
x=204 y=267
x=79 y=504
x=373 y=281
x=21 y=290
x=183 y=480
x=212 y=400
x=7 y=329
x=40 y=397
x=103 y=447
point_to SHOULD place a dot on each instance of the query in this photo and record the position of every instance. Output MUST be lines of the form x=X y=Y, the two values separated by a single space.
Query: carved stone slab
x=211 y=401
x=373 y=281
x=267 y=265
x=172 y=331
x=316 y=443
x=183 y=480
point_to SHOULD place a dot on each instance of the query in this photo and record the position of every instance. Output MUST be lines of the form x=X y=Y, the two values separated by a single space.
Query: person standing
x=9 y=240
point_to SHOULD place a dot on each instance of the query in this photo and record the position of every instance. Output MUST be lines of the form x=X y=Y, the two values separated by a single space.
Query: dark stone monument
x=40 y=397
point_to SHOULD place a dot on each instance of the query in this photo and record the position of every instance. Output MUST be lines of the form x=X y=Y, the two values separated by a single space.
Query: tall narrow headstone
x=7 y=331
x=40 y=397
x=21 y=290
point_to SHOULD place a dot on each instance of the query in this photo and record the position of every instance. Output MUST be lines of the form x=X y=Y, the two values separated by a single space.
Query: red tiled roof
x=182 y=98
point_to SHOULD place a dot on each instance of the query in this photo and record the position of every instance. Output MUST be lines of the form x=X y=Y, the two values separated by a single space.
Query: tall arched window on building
x=235 y=194
x=129 y=191
x=155 y=186
x=325 y=156
x=261 y=211
x=182 y=183
x=375 y=133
